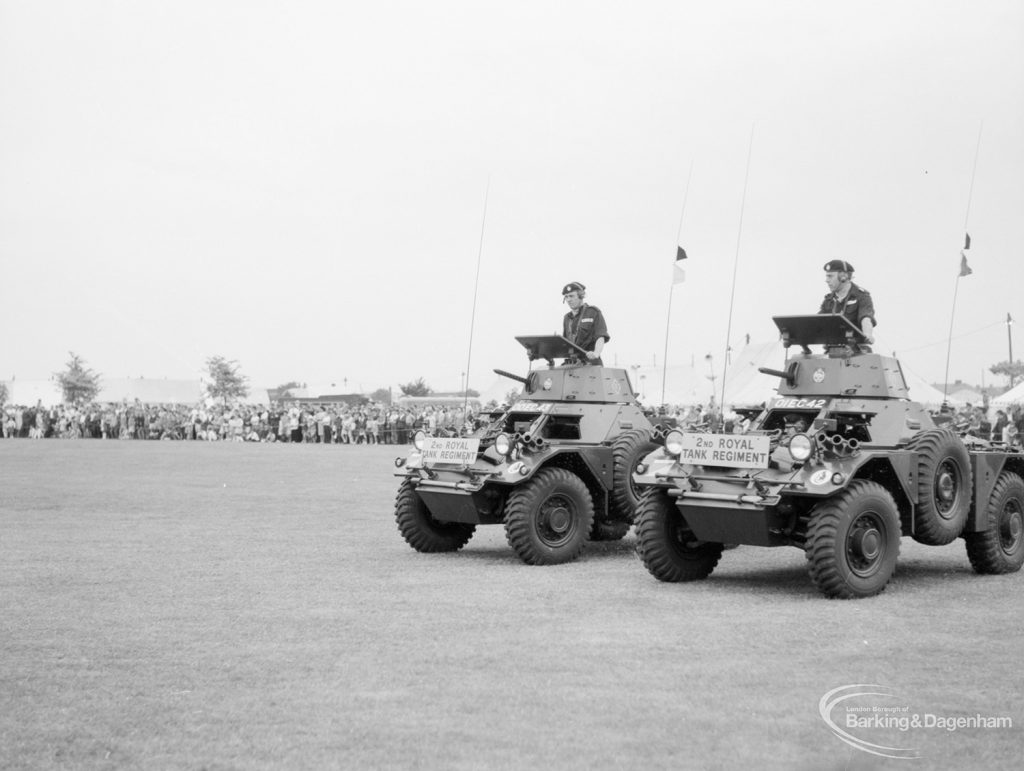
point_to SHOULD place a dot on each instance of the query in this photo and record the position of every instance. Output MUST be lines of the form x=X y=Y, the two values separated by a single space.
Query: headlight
x=420 y=439
x=674 y=443
x=503 y=444
x=800 y=447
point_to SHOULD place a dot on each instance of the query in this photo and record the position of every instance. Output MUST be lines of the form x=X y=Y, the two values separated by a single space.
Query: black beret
x=573 y=286
x=838 y=265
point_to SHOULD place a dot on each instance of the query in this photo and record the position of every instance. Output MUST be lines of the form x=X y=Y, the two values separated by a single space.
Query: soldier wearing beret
x=847 y=299
x=584 y=324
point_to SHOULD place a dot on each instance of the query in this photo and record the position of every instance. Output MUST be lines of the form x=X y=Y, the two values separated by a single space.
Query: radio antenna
x=964 y=269
x=472 y=317
x=735 y=268
x=672 y=286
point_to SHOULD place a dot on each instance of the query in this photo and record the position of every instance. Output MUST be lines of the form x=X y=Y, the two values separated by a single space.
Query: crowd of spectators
x=322 y=423
x=370 y=423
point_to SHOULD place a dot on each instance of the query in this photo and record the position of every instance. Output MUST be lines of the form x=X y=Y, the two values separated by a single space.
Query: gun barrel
x=517 y=378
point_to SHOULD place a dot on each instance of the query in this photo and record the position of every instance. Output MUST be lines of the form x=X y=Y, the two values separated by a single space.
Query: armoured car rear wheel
x=943 y=486
x=853 y=540
x=548 y=518
x=1000 y=547
x=420 y=530
x=628 y=449
x=665 y=543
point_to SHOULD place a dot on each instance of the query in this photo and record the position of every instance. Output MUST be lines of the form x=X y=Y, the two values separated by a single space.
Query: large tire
x=1000 y=547
x=609 y=531
x=420 y=530
x=853 y=540
x=548 y=519
x=665 y=543
x=943 y=486
x=628 y=449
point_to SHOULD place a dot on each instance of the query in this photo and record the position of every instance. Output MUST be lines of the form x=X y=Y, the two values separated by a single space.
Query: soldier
x=584 y=324
x=849 y=300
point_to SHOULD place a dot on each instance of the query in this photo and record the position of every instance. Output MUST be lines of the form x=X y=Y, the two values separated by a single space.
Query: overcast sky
x=300 y=186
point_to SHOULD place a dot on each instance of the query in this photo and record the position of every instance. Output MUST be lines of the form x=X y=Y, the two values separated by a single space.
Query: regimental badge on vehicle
x=819 y=375
x=614 y=386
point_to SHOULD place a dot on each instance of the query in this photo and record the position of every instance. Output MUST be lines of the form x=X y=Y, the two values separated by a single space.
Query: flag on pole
x=967 y=241
x=965 y=269
x=678 y=274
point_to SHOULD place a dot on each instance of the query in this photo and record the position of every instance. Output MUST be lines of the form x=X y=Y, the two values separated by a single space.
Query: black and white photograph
x=538 y=385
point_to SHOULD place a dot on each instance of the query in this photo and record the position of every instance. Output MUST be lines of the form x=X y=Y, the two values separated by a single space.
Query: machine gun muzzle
x=789 y=375
x=517 y=378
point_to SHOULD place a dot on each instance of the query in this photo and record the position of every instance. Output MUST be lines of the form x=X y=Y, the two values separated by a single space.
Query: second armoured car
x=555 y=468
x=840 y=464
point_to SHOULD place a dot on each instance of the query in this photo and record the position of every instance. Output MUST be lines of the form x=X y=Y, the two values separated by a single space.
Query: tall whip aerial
x=964 y=269
x=476 y=286
x=672 y=286
x=735 y=268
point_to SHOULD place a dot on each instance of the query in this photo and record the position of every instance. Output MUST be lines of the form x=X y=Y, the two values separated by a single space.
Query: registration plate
x=730 y=450
x=439 y=451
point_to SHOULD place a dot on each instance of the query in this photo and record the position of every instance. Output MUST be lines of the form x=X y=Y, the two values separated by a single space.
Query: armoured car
x=841 y=464
x=555 y=468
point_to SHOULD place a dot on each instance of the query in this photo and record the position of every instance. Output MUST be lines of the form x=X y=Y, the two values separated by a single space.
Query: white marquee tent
x=1014 y=396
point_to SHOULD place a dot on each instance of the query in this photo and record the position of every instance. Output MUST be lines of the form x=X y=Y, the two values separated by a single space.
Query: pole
x=476 y=285
x=672 y=286
x=952 y=313
x=1009 y=338
x=735 y=268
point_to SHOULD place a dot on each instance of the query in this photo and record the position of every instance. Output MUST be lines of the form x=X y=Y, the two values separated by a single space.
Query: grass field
x=180 y=605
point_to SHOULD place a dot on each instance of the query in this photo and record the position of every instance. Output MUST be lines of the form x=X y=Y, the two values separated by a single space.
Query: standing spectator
x=999 y=426
x=294 y=423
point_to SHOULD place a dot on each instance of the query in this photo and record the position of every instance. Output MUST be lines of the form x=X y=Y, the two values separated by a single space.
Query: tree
x=416 y=388
x=4 y=393
x=472 y=393
x=382 y=396
x=225 y=381
x=1011 y=369
x=79 y=383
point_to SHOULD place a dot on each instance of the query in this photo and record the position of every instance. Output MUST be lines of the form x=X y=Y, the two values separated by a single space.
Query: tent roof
x=1014 y=396
x=745 y=386
x=965 y=395
x=925 y=393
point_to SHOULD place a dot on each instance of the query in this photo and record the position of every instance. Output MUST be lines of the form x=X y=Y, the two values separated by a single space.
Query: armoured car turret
x=555 y=468
x=840 y=464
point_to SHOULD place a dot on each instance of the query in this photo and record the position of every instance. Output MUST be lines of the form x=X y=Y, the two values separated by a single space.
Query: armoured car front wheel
x=943 y=486
x=420 y=530
x=665 y=543
x=548 y=518
x=853 y=540
x=1000 y=547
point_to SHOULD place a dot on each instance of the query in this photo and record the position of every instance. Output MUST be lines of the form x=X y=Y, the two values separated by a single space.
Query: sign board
x=732 y=450
x=452 y=452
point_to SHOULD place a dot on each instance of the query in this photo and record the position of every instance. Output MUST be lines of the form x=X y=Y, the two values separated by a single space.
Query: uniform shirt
x=856 y=306
x=585 y=327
